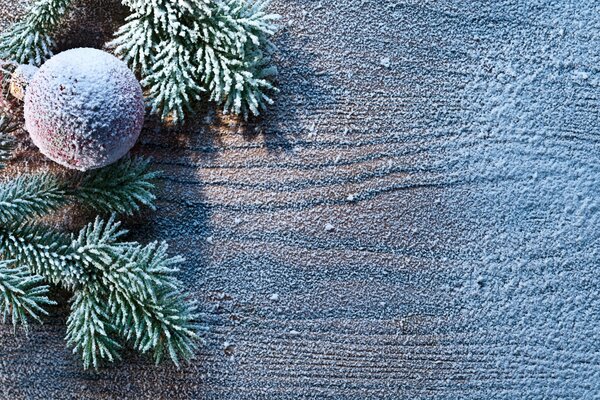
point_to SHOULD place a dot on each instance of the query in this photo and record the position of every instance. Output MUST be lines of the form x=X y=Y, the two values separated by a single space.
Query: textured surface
x=416 y=218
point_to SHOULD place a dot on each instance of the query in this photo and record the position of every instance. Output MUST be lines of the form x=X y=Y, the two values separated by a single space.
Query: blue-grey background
x=416 y=217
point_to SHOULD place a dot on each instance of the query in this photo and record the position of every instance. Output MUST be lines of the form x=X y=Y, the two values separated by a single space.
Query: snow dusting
x=529 y=154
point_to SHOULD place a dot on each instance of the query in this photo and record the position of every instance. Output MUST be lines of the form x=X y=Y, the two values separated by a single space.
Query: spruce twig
x=22 y=295
x=124 y=293
x=30 y=41
x=122 y=187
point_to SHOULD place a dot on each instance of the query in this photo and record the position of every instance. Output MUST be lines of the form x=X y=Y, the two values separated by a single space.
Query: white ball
x=84 y=109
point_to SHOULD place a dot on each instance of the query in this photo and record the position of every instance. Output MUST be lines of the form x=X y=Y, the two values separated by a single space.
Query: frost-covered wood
x=453 y=147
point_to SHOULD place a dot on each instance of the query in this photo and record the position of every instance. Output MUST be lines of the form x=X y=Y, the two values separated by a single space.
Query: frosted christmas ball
x=84 y=109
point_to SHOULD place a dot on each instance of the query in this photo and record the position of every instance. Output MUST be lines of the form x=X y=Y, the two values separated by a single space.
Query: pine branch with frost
x=30 y=41
x=170 y=84
x=234 y=62
x=158 y=41
x=123 y=187
x=44 y=251
x=124 y=293
x=141 y=300
x=22 y=295
x=145 y=291
x=219 y=47
x=154 y=23
x=30 y=196
x=90 y=330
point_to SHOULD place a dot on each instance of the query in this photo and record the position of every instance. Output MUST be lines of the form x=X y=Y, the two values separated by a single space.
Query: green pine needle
x=30 y=196
x=90 y=330
x=22 y=295
x=122 y=188
x=30 y=41
x=147 y=301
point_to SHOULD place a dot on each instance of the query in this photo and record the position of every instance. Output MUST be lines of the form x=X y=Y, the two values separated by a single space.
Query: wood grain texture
x=372 y=113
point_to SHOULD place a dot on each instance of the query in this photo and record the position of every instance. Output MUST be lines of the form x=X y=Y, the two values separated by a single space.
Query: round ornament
x=84 y=109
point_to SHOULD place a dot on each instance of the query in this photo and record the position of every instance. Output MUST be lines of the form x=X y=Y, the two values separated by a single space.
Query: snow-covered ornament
x=84 y=109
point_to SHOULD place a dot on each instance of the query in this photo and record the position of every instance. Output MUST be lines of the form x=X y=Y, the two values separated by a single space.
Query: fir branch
x=142 y=270
x=152 y=23
x=30 y=41
x=27 y=197
x=158 y=40
x=120 y=188
x=180 y=51
x=46 y=252
x=164 y=327
x=234 y=63
x=144 y=301
x=90 y=330
x=171 y=85
x=22 y=294
x=130 y=43
x=73 y=262
x=95 y=249
x=242 y=87
x=147 y=301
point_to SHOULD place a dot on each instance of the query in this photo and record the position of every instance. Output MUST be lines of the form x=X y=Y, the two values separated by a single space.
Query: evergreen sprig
x=30 y=196
x=22 y=294
x=181 y=50
x=30 y=41
x=144 y=306
x=122 y=187
x=90 y=330
x=234 y=60
x=124 y=293
x=220 y=47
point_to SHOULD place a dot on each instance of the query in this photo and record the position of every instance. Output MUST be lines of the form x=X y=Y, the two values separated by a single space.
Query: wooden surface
x=372 y=108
